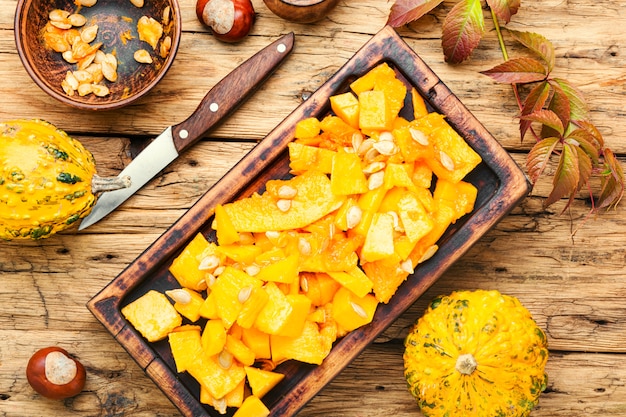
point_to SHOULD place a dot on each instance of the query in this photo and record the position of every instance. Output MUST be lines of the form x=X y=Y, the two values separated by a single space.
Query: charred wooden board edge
x=502 y=185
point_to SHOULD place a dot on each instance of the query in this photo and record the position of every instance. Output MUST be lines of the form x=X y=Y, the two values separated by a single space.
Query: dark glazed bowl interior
x=114 y=18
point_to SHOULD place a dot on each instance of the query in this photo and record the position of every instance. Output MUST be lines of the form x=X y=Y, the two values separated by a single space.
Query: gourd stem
x=466 y=364
x=101 y=184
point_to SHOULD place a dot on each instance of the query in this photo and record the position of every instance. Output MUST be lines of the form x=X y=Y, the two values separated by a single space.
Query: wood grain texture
x=573 y=285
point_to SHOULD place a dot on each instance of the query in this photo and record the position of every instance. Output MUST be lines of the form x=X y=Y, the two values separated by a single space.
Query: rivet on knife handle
x=231 y=91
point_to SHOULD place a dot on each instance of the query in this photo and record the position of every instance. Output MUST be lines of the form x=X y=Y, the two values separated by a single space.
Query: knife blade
x=216 y=105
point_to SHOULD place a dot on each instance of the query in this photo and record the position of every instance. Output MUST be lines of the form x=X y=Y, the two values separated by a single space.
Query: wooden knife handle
x=230 y=92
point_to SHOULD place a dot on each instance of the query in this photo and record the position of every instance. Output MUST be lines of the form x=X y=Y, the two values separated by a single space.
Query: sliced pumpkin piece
x=262 y=381
x=260 y=213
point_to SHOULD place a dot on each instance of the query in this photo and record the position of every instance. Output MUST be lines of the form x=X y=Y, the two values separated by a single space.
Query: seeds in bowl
x=74 y=38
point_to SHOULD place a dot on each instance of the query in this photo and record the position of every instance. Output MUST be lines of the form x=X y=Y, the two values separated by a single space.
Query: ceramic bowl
x=39 y=39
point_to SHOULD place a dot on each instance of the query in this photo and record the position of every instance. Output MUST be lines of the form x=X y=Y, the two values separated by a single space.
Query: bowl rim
x=20 y=24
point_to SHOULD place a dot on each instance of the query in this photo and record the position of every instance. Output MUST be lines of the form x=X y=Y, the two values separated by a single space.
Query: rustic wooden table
x=574 y=285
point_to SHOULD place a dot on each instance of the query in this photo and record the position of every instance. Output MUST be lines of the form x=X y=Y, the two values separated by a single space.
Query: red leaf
x=592 y=130
x=612 y=181
x=535 y=101
x=406 y=11
x=539 y=156
x=463 y=29
x=517 y=71
x=566 y=177
x=547 y=118
x=504 y=9
x=537 y=44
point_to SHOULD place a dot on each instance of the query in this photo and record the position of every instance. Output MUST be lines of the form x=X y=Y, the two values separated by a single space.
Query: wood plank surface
x=573 y=284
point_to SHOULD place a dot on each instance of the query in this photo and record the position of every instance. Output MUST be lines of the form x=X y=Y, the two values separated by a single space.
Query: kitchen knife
x=219 y=102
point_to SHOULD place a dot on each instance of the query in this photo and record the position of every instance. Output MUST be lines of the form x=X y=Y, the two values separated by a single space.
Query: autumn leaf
x=517 y=71
x=566 y=177
x=504 y=9
x=537 y=44
x=559 y=104
x=539 y=156
x=585 y=164
x=579 y=111
x=587 y=143
x=406 y=11
x=547 y=118
x=612 y=182
x=592 y=130
x=463 y=28
x=535 y=100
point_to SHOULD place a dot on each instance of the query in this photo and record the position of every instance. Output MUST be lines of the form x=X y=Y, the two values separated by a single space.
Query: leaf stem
x=496 y=24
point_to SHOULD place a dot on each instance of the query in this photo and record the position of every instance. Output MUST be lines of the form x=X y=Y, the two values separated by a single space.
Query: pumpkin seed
x=407 y=266
x=225 y=359
x=374 y=167
x=109 y=70
x=86 y=61
x=68 y=56
x=86 y=3
x=67 y=88
x=83 y=76
x=360 y=311
x=57 y=42
x=179 y=295
x=85 y=89
x=428 y=254
x=165 y=19
x=304 y=247
x=304 y=284
x=71 y=36
x=386 y=147
x=100 y=57
x=365 y=146
x=283 y=205
x=385 y=136
x=71 y=80
x=100 y=90
x=142 y=56
x=287 y=191
x=396 y=221
x=376 y=180
x=353 y=216
x=58 y=15
x=419 y=137
x=76 y=19
x=137 y=3
x=357 y=141
x=166 y=45
x=89 y=33
x=219 y=270
x=371 y=154
x=220 y=405
x=252 y=270
x=446 y=161
x=61 y=24
x=244 y=294
x=209 y=263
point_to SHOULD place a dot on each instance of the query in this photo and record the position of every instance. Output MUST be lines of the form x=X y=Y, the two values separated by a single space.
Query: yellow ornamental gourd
x=476 y=354
x=48 y=180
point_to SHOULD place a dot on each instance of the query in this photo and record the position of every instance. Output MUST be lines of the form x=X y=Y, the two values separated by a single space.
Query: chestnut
x=301 y=11
x=230 y=20
x=54 y=374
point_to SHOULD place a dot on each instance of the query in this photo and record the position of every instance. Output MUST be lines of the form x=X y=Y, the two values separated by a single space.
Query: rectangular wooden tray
x=501 y=184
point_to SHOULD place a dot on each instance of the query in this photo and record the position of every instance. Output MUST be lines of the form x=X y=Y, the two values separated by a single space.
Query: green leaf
x=579 y=111
x=406 y=11
x=534 y=101
x=566 y=177
x=547 y=118
x=463 y=28
x=537 y=44
x=504 y=9
x=612 y=182
x=517 y=71
x=539 y=156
